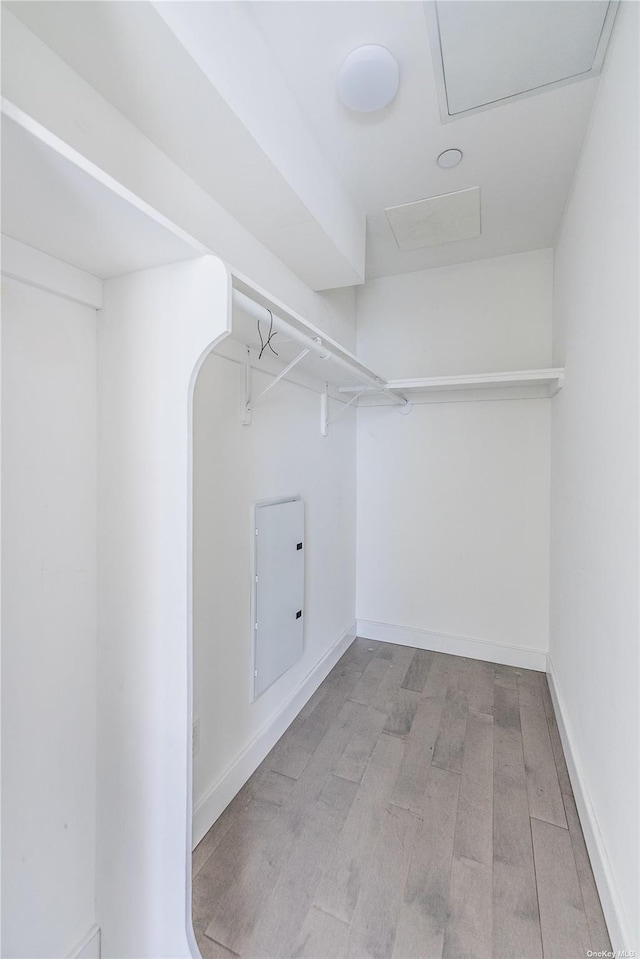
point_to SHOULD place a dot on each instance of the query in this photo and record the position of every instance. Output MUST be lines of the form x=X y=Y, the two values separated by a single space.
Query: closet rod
x=258 y=312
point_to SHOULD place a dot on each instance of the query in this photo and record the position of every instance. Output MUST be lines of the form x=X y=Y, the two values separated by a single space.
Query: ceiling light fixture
x=449 y=158
x=368 y=79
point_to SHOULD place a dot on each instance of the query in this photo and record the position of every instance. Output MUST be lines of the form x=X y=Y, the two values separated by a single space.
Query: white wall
x=594 y=505
x=144 y=829
x=335 y=313
x=479 y=317
x=48 y=622
x=281 y=453
x=453 y=499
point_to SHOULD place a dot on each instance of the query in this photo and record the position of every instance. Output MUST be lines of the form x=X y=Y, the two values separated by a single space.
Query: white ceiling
x=521 y=154
x=242 y=96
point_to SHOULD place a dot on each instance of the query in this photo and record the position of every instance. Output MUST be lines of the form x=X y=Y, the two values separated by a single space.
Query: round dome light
x=369 y=78
x=449 y=158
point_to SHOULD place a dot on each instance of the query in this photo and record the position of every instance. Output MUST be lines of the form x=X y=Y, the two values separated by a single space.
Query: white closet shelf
x=304 y=347
x=92 y=222
x=544 y=383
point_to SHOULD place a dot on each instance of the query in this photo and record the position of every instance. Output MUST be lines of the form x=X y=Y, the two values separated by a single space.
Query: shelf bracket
x=246 y=409
x=325 y=419
x=324 y=410
x=404 y=407
x=250 y=404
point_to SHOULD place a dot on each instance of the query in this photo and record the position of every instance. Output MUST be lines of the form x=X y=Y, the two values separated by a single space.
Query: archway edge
x=154 y=331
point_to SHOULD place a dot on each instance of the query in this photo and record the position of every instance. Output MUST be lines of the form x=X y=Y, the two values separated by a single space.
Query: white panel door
x=279 y=590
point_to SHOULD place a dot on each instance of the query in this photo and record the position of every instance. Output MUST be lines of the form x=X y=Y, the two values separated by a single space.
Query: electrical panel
x=278 y=606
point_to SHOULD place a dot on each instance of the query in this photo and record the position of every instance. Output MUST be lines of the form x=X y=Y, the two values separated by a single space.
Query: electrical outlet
x=195 y=740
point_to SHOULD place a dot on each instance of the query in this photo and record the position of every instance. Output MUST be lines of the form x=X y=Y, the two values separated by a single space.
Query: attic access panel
x=487 y=53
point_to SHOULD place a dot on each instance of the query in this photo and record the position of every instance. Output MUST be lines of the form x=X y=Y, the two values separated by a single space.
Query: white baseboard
x=611 y=904
x=235 y=776
x=89 y=946
x=456 y=645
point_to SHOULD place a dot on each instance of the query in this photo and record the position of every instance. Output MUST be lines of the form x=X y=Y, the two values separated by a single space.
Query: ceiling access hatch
x=487 y=53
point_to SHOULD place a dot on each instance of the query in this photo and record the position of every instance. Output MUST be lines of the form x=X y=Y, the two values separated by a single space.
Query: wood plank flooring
x=418 y=807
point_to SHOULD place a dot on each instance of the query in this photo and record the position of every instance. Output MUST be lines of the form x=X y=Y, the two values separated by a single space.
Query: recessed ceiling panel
x=489 y=52
x=436 y=220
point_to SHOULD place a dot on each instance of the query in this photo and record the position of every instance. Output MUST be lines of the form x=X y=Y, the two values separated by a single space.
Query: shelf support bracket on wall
x=324 y=410
x=326 y=351
x=250 y=404
x=325 y=419
x=246 y=409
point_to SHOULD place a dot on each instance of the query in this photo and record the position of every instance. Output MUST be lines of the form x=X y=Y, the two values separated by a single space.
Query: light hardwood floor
x=419 y=806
